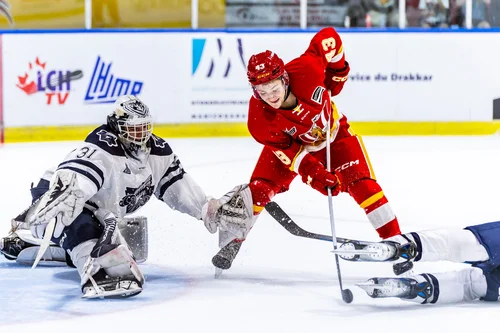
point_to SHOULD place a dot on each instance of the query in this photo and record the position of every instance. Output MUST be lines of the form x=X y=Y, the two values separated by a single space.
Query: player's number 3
x=328 y=43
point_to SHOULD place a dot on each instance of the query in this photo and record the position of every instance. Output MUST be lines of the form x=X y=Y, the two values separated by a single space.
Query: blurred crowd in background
x=47 y=14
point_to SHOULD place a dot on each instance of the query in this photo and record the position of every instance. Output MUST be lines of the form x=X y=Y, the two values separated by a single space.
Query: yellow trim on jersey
x=367 y=158
x=257 y=209
x=341 y=49
x=371 y=200
x=292 y=166
x=335 y=119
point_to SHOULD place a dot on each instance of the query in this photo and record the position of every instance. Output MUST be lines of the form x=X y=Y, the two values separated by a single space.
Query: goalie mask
x=131 y=121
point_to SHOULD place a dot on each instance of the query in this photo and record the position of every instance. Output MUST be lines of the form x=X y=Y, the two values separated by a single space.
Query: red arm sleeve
x=326 y=46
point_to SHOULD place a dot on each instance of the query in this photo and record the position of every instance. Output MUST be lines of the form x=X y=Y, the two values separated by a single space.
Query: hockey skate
x=224 y=258
x=105 y=287
x=12 y=245
x=405 y=288
x=23 y=248
x=379 y=252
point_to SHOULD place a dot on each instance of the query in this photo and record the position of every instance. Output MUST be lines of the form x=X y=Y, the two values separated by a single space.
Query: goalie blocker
x=22 y=247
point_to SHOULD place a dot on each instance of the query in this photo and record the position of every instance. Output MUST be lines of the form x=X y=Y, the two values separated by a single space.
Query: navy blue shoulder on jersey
x=159 y=147
x=86 y=168
x=106 y=140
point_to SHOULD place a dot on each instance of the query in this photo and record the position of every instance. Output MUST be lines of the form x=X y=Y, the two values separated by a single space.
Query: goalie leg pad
x=116 y=263
x=114 y=274
x=120 y=263
x=53 y=254
x=117 y=275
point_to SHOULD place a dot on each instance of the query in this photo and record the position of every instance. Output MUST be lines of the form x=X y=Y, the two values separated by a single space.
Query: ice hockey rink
x=278 y=282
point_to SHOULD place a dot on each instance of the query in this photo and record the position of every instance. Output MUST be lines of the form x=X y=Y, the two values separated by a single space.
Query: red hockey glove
x=336 y=78
x=315 y=175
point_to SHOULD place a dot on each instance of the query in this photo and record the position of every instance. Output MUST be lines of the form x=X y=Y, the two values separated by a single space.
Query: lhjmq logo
x=105 y=87
x=217 y=57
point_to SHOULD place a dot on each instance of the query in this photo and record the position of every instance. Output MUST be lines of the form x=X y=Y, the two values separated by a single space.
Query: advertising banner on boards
x=72 y=79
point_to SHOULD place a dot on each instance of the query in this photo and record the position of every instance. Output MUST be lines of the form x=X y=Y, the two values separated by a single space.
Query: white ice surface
x=279 y=282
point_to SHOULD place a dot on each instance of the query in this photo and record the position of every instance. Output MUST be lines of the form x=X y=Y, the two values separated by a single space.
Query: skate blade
x=218 y=272
x=355 y=252
x=372 y=252
x=114 y=294
x=386 y=287
x=371 y=287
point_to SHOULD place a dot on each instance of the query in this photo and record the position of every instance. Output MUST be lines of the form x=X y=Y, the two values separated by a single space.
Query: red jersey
x=293 y=133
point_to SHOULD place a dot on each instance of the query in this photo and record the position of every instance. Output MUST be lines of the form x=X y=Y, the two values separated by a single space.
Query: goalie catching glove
x=64 y=201
x=233 y=212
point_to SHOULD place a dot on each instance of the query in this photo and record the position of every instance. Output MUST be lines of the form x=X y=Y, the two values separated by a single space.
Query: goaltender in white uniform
x=113 y=173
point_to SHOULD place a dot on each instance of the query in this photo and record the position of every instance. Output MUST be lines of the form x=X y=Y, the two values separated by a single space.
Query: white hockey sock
x=457 y=286
x=457 y=245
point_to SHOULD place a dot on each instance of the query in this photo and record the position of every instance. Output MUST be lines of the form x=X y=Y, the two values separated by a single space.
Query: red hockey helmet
x=264 y=67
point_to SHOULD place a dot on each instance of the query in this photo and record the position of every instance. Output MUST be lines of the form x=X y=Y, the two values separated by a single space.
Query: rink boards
x=59 y=85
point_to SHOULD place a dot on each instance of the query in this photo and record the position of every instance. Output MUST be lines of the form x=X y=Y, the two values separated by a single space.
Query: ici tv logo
x=217 y=58
x=105 y=87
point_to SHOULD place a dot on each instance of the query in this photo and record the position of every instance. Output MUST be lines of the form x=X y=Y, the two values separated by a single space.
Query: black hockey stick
x=286 y=221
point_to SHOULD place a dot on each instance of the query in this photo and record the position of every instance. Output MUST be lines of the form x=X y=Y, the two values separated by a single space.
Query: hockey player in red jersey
x=288 y=113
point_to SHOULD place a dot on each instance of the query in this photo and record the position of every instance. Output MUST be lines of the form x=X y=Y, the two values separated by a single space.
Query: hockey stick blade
x=49 y=231
x=286 y=221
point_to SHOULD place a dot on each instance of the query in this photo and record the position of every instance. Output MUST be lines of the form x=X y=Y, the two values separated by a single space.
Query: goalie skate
x=24 y=249
x=406 y=288
x=11 y=246
x=106 y=287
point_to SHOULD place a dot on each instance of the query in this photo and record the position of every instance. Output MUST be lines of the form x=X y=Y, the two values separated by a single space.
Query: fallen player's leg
x=450 y=287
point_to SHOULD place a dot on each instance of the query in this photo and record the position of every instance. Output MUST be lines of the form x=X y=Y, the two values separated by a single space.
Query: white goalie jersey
x=121 y=183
